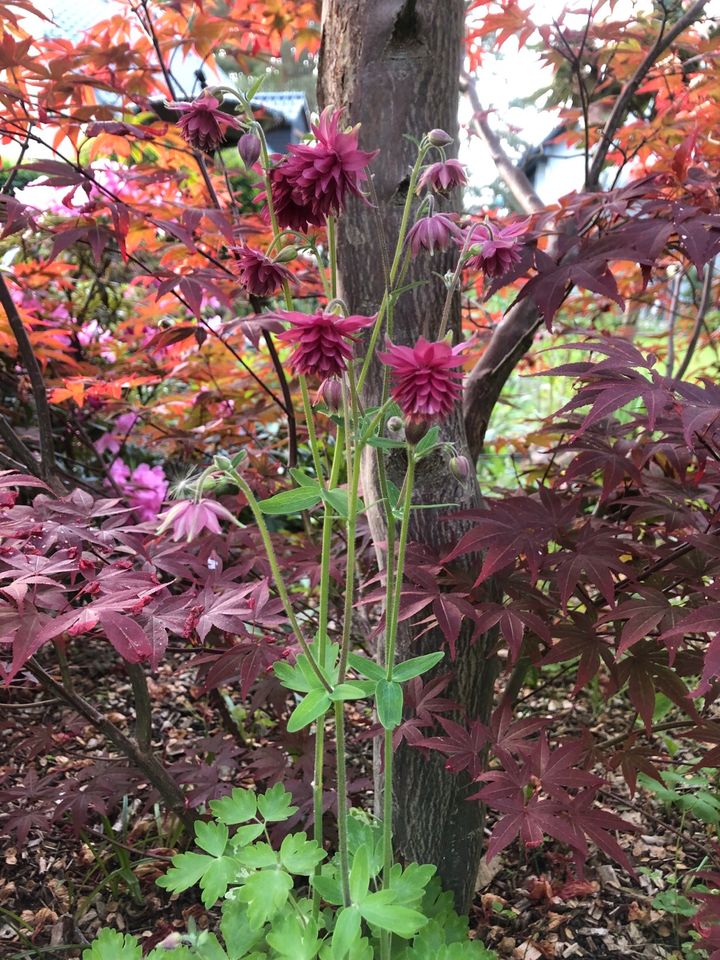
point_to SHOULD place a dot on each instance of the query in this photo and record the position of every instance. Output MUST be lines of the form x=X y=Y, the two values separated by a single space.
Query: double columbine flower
x=203 y=123
x=432 y=233
x=322 y=341
x=188 y=518
x=495 y=250
x=314 y=180
x=442 y=177
x=426 y=383
x=259 y=274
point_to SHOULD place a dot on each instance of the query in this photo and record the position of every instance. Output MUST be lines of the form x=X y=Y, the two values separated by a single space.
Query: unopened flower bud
x=415 y=430
x=330 y=393
x=395 y=428
x=460 y=468
x=439 y=138
x=286 y=255
x=249 y=149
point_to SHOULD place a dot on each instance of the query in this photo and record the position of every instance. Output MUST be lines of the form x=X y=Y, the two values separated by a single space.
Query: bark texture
x=393 y=65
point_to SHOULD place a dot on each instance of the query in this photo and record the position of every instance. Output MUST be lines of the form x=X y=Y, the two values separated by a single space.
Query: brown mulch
x=58 y=889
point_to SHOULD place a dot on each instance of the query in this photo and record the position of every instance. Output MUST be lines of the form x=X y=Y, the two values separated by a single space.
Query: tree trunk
x=393 y=65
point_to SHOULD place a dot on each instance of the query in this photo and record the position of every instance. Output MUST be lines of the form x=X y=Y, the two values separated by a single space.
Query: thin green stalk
x=397 y=261
x=391 y=622
x=312 y=436
x=278 y=579
x=322 y=644
x=342 y=813
x=332 y=251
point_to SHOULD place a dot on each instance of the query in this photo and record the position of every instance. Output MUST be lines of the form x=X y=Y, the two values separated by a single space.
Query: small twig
x=42 y=407
x=699 y=320
x=143 y=707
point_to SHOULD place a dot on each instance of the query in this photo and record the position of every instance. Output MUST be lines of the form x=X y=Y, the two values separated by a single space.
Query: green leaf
x=366 y=667
x=312 y=706
x=185 y=872
x=276 y=804
x=246 y=834
x=293 y=677
x=257 y=857
x=237 y=931
x=265 y=893
x=346 y=691
x=409 y=669
x=291 y=501
x=178 y=953
x=208 y=947
x=389 y=703
x=428 y=442
x=346 y=932
x=211 y=837
x=380 y=910
x=111 y=945
x=303 y=479
x=672 y=901
x=217 y=878
x=328 y=887
x=338 y=500
x=360 y=875
x=300 y=855
x=239 y=807
x=290 y=938
x=409 y=884
x=385 y=443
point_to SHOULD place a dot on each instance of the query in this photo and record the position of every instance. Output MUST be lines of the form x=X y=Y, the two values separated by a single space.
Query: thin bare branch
x=517 y=182
x=699 y=320
x=622 y=104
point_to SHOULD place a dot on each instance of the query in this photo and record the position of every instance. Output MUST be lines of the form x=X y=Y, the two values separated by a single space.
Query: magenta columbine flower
x=442 y=177
x=313 y=181
x=495 y=250
x=188 y=518
x=203 y=123
x=432 y=233
x=426 y=384
x=259 y=274
x=321 y=341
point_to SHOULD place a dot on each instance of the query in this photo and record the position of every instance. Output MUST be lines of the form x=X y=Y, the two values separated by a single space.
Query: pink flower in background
x=432 y=233
x=202 y=122
x=189 y=518
x=442 y=177
x=259 y=274
x=145 y=488
x=321 y=341
x=426 y=384
x=113 y=439
x=314 y=180
x=494 y=250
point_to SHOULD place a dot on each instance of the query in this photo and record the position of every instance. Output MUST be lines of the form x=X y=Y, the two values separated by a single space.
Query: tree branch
x=144 y=760
x=622 y=104
x=517 y=182
x=699 y=320
x=47 y=464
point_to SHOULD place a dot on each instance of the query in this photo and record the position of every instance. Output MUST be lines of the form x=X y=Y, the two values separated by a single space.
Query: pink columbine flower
x=314 y=180
x=259 y=274
x=203 y=123
x=188 y=518
x=432 y=233
x=494 y=250
x=321 y=341
x=426 y=384
x=442 y=177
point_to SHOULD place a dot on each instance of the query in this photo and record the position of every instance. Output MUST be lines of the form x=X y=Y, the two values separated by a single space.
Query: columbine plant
x=298 y=900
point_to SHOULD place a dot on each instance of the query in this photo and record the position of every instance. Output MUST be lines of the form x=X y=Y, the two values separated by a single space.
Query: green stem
x=322 y=644
x=332 y=253
x=342 y=813
x=391 y=622
x=278 y=579
x=310 y=422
